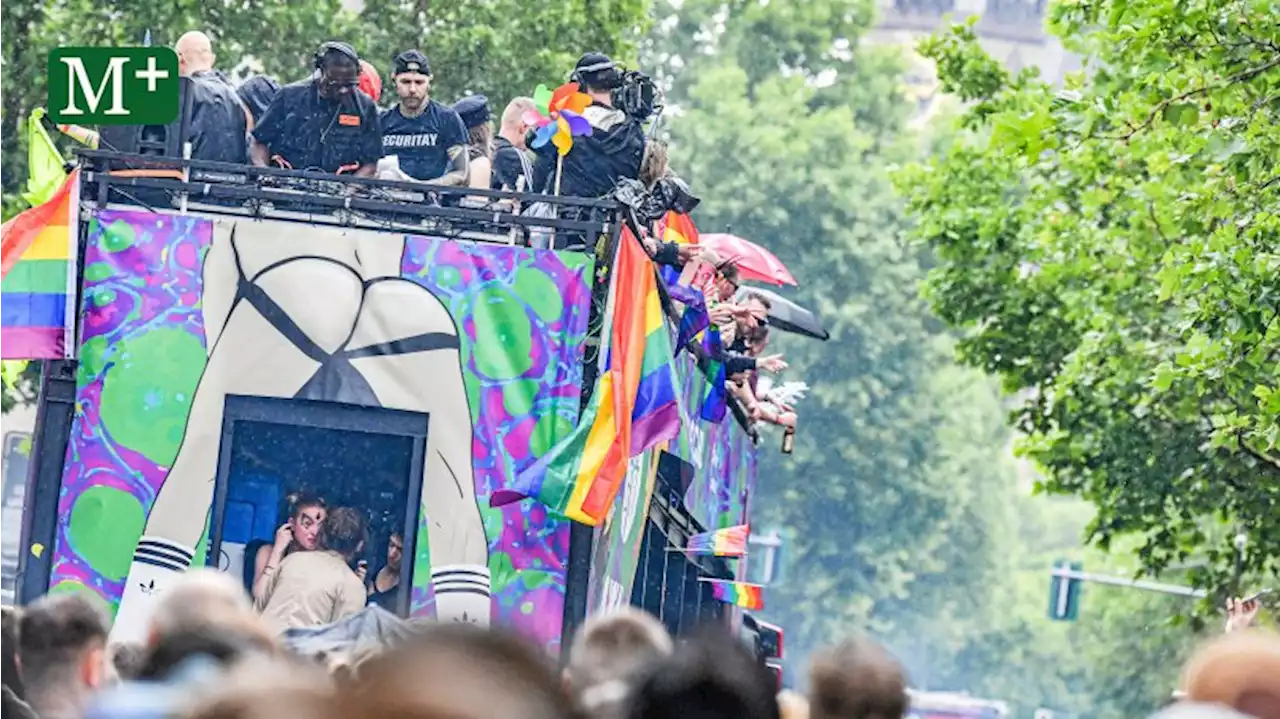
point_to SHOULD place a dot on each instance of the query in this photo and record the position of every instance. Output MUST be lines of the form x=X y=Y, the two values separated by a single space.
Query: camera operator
x=322 y=122
x=614 y=148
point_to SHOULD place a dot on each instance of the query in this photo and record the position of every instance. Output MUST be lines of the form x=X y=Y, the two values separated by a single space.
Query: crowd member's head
x=727 y=280
x=307 y=514
x=1239 y=670
x=597 y=75
x=62 y=642
x=339 y=67
x=127 y=659
x=514 y=126
x=9 y=672
x=412 y=75
x=654 y=164
x=370 y=82
x=793 y=705
x=474 y=111
x=261 y=689
x=199 y=596
x=195 y=53
x=757 y=339
x=712 y=675
x=395 y=551
x=857 y=679
x=223 y=640
x=460 y=672
x=257 y=93
x=610 y=654
x=344 y=532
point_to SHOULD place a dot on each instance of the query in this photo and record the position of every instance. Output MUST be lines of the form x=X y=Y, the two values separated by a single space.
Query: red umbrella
x=754 y=262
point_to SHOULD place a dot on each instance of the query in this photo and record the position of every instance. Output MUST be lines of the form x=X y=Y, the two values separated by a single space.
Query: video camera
x=669 y=193
x=637 y=96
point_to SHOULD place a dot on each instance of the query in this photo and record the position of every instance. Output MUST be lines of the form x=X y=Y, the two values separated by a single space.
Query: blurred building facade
x=1011 y=31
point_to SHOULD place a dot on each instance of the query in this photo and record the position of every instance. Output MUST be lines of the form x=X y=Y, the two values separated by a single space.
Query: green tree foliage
x=19 y=384
x=1110 y=251
x=786 y=127
x=906 y=513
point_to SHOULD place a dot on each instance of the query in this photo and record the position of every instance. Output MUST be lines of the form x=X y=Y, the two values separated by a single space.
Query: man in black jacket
x=611 y=152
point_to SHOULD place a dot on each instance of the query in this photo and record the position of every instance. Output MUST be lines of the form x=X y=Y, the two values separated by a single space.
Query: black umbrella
x=791 y=317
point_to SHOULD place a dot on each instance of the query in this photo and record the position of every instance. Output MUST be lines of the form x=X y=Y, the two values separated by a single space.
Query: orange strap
x=175 y=174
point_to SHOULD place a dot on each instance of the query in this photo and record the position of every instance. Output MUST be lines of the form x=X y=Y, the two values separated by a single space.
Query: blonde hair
x=513 y=115
x=655 y=162
x=1236 y=670
x=616 y=646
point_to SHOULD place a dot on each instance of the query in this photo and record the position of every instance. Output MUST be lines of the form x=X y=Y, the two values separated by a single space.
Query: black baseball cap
x=411 y=61
x=474 y=110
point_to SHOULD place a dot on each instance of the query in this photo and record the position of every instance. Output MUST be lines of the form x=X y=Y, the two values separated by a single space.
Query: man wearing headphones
x=322 y=123
x=611 y=152
x=427 y=138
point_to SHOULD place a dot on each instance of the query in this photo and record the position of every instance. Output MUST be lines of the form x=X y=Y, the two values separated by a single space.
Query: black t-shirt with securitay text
x=310 y=132
x=422 y=143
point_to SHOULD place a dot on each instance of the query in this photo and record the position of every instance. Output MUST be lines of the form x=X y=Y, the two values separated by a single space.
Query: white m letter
x=78 y=75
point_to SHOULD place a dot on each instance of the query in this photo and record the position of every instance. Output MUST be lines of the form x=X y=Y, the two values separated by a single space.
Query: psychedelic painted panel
x=142 y=351
x=523 y=316
x=723 y=457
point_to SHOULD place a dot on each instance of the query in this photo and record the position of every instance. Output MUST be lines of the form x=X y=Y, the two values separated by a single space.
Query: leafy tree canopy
x=1110 y=250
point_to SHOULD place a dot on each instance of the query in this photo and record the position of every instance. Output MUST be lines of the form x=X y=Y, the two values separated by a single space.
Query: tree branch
x=1242 y=76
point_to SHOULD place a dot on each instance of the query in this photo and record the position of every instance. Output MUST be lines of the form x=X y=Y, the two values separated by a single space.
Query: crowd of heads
x=207 y=654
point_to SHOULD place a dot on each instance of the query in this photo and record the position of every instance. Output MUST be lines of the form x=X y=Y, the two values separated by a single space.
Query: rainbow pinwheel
x=559 y=116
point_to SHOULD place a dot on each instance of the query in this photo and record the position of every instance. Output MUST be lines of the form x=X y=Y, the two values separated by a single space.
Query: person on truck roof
x=322 y=123
x=219 y=119
x=427 y=138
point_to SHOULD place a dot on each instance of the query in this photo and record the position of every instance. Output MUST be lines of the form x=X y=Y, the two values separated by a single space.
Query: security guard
x=615 y=146
x=322 y=122
x=427 y=138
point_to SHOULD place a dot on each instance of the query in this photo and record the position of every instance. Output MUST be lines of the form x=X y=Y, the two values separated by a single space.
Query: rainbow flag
x=655 y=417
x=677 y=228
x=741 y=594
x=727 y=542
x=633 y=406
x=40 y=246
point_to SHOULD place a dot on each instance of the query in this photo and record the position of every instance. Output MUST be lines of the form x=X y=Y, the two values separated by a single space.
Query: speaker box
x=155 y=140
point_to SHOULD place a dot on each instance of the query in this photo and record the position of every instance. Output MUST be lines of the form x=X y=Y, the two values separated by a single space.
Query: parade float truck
x=238 y=335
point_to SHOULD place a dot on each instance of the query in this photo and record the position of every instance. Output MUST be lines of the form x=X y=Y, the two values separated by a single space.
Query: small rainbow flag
x=37 y=319
x=677 y=228
x=727 y=542
x=740 y=594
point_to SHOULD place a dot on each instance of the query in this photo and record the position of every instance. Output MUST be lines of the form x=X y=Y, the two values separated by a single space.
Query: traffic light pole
x=1065 y=573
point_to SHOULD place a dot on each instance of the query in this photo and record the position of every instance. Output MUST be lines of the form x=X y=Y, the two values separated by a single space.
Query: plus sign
x=151 y=74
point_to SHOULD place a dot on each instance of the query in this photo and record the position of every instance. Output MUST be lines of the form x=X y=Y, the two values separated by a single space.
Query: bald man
x=195 y=53
x=509 y=160
x=220 y=121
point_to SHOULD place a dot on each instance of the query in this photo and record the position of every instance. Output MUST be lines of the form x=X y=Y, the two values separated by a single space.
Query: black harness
x=336 y=380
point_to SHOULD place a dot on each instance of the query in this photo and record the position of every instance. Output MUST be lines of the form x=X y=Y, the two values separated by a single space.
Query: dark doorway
x=368 y=458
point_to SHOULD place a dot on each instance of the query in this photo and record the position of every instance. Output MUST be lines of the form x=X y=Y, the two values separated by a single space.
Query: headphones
x=331 y=46
x=578 y=72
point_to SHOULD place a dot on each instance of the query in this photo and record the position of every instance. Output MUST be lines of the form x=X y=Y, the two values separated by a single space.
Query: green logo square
x=113 y=86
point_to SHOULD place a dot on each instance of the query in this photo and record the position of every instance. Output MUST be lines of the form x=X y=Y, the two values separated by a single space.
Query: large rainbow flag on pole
x=741 y=594
x=633 y=408
x=39 y=251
